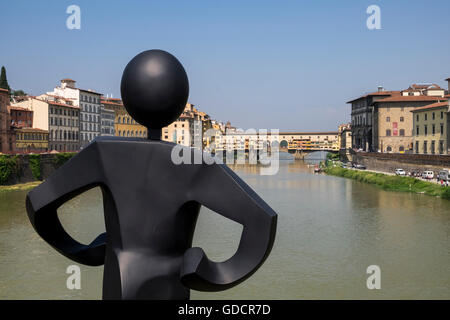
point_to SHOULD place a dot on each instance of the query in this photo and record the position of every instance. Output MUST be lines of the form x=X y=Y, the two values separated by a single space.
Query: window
x=402 y=119
x=417 y=146
x=426 y=130
x=433 y=116
x=426 y=116
x=402 y=132
x=442 y=114
x=425 y=147
x=433 y=129
x=432 y=147
x=388 y=132
x=442 y=128
x=389 y=149
x=417 y=117
x=388 y=119
x=441 y=147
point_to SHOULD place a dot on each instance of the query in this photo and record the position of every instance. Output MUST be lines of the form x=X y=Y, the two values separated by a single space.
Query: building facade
x=432 y=129
x=31 y=140
x=107 y=119
x=21 y=117
x=345 y=136
x=88 y=102
x=124 y=124
x=7 y=135
x=362 y=118
x=393 y=122
x=64 y=127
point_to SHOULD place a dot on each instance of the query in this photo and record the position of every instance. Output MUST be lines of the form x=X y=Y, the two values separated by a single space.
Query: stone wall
x=388 y=162
x=48 y=164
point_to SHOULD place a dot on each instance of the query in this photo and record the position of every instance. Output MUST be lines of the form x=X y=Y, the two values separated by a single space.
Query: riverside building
x=432 y=129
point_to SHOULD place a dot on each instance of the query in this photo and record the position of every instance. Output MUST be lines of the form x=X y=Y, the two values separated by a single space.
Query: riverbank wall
x=24 y=168
x=388 y=162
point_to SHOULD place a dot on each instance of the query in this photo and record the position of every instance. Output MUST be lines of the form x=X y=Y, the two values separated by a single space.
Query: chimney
x=68 y=83
x=380 y=89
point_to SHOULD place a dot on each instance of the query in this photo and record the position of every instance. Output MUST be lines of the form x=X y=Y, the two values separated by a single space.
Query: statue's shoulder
x=112 y=140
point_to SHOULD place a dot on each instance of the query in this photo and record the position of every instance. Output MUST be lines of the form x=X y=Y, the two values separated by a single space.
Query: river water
x=330 y=230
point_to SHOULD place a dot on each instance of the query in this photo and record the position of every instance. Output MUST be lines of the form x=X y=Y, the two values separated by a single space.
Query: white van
x=428 y=175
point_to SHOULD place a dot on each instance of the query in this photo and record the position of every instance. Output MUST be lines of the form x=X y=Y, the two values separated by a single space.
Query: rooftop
x=423 y=86
x=432 y=106
x=53 y=103
x=410 y=98
x=377 y=93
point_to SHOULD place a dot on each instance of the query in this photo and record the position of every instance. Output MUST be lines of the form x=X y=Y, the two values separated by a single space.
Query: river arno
x=329 y=231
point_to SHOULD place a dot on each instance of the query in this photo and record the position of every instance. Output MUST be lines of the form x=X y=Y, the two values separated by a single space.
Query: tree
x=18 y=93
x=3 y=80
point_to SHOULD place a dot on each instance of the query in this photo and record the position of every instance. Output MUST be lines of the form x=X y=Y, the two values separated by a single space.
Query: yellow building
x=393 y=122
x=31 y=140
x=432 y=129
x=124 y=124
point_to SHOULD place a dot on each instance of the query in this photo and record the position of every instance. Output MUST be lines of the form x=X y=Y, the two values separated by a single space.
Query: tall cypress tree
x=4 y=80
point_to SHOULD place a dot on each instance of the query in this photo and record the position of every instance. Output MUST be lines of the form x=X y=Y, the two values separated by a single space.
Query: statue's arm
x=221 y=190
x=80 y=173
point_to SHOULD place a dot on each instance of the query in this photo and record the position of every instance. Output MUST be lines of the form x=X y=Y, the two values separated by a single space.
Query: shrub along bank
x=391 y=183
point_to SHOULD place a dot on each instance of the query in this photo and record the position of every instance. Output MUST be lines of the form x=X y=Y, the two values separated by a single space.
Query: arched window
x=402 y=132
x=389 y=149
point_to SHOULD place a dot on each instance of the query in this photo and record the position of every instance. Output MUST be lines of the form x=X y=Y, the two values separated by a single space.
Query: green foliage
x=61 y=158
x=446 y=193
x=4 y=80
x=333 y=156
x=18 y=93
x=8 y=166
x=35 y=165
x=391 y=183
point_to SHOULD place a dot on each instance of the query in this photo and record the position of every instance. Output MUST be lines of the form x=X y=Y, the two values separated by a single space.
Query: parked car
x=400 y=172
x=443 y=175
x=428 y=174
x=360 y=166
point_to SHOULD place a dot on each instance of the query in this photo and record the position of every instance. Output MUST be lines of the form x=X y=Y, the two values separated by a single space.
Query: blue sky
x=290 y=65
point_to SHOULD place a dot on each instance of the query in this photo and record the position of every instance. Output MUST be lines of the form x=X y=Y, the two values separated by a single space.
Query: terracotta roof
x=377 y=93
x=5 y=90
x=432 y=106
x=409 y=98
x=89 y=91
x=53 y=103
x=118 y=103
x=32 y=130
x=19 y=108
x=425 y=86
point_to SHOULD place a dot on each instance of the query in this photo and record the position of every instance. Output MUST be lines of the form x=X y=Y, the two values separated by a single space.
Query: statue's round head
x=154 y=88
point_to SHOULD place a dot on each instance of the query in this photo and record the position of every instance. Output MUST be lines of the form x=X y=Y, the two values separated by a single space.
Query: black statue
x=151 y=204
